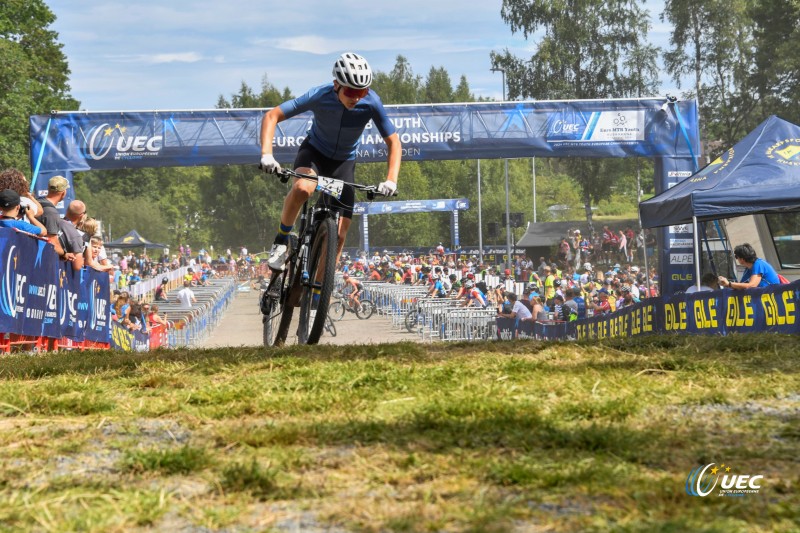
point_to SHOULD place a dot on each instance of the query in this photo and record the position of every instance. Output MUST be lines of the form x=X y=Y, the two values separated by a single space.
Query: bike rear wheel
x=365 y=310
x=321 y=266
x=277 y=313
x=412 y=319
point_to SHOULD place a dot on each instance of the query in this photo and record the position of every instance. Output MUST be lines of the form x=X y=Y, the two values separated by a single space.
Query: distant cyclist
x=341 y=109
x=355 y=287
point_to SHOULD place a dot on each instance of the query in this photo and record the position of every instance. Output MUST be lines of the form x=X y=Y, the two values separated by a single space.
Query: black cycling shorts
x=310 y=157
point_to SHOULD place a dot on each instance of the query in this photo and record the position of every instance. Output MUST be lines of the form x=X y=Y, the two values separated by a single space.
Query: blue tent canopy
x=760 y=174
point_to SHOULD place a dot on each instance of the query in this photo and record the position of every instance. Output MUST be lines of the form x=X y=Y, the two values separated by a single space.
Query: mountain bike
x=310 y=264
x=342 y=304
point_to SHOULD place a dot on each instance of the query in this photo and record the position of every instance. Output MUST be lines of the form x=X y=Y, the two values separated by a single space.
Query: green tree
x=776 y=76
x=437 y=87
x=587 y=49
x=400 y=86
x=712 y=40
x=33 y=75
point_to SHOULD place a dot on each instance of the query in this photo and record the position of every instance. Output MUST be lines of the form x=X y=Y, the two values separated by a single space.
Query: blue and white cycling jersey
x=336 y=131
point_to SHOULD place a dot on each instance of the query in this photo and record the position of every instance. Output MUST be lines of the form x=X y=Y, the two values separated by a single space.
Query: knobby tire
x=324 y=244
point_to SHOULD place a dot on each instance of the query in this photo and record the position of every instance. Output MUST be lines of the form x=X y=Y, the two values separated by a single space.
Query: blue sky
x=184 y=54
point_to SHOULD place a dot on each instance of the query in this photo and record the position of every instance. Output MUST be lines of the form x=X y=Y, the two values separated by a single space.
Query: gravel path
x=241 y=326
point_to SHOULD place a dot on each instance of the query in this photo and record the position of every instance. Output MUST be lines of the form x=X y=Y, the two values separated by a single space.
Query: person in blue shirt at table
x=12 y=214
x=757 y=272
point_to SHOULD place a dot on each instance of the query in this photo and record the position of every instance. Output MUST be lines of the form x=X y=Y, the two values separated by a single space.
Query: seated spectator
x=10 y=204
x=161 y=291
x=709 y=282
x=518 y=310
x=757 y=272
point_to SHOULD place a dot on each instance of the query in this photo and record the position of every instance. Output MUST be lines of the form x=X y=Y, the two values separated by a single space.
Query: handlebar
x=370 y=190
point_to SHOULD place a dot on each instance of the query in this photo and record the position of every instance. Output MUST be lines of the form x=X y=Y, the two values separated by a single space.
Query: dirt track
x=241 y=326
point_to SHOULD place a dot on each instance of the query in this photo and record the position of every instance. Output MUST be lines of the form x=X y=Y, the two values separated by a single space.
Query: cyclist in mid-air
x=342 y=109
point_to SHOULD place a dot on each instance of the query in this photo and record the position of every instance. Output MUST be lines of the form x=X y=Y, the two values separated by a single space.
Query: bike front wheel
x=321 y=267
x=330 y=327
x=336 y=310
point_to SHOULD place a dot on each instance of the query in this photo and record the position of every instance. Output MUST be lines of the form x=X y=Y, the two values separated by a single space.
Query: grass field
x=511 y=436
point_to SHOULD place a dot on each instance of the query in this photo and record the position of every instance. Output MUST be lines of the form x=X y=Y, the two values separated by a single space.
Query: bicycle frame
x=283 y=294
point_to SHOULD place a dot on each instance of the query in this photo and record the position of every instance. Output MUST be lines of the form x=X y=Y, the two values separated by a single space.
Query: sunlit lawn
x=520 y=436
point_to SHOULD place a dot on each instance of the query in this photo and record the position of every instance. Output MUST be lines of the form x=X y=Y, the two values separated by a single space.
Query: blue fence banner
x=41 y=296
x=28 y=289
x=410 y=206
x=770 y=309
x=128 y=341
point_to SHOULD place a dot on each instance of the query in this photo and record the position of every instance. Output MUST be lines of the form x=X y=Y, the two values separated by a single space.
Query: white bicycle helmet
x=352 y=70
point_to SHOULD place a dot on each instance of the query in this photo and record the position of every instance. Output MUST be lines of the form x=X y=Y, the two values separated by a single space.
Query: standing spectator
x=622 y=241
x=185 y=296
x=15 y=180
x=153 y=318
x=50 y=217
x=69 y=236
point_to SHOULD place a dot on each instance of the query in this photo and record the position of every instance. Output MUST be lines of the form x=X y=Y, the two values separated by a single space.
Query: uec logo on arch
x=103 y=138
x=698 y=483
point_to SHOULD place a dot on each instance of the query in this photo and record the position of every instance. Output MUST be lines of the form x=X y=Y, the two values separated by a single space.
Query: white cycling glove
x=387 y=188
x=269 y=165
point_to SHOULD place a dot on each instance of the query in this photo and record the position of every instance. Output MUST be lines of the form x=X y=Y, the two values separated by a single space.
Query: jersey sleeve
x=301 y=104
x=381 y=119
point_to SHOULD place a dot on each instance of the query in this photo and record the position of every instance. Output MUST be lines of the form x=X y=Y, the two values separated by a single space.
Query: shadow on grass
x=753 y=353
x=468 y=425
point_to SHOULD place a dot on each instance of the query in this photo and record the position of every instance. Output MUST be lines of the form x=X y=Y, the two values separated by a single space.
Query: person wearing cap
x=601 y=304
x=50 y=217
x=526 y=297
x=549 y=284
x=10 y=204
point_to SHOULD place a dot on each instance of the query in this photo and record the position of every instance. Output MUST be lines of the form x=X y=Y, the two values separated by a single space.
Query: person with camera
x=14 y=211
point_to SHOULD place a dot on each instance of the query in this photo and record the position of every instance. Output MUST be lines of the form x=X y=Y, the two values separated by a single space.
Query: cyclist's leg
x=300 y=192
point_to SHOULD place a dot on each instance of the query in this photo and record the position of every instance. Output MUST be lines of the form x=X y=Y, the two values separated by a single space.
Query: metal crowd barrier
x=437 y=318
x=190 y=326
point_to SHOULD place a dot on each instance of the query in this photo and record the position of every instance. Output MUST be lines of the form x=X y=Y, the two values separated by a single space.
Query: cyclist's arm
x=271 y=119
x=395 y=150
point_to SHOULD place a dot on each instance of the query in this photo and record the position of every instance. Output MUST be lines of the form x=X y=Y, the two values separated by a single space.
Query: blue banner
x=81 y=141
x=41 y=296
x=771 y=309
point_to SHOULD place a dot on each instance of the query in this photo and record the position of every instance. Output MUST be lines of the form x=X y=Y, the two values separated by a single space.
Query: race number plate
x=330 y=186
